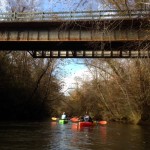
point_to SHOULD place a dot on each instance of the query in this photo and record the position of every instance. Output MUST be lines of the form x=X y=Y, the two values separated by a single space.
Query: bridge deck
x=106 y=30
x=108 y=37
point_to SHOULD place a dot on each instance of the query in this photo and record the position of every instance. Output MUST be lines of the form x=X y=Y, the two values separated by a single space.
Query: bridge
x=88 y=34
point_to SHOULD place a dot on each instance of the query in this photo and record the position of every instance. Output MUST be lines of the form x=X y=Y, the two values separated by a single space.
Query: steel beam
x=125 y=30
x=93 y=54
x=79 y=39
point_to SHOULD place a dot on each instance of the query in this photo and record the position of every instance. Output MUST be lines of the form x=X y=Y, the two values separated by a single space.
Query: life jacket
x=86 y=118
x=63 y=116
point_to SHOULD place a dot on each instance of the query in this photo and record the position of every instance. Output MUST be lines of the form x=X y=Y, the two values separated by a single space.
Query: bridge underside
x=78 y=49
x=91 y=54
x=104 y=39
x=136 y=49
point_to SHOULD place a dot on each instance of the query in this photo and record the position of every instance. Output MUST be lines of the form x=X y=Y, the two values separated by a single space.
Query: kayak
x=62 y=121
x=54 y=118
x=74 y=119
x=102 y=122
x=85 y=124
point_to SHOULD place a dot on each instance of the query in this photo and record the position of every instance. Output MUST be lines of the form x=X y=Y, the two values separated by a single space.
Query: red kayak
x=85 y=124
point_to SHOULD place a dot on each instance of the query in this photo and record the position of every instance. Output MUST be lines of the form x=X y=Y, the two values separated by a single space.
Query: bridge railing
x=78 y=15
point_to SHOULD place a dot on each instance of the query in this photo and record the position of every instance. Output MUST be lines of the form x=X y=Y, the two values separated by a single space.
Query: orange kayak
x=74 y=119
x=102 y=122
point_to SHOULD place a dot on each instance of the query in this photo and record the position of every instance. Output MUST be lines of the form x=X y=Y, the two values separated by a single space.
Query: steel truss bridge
x=95 y=34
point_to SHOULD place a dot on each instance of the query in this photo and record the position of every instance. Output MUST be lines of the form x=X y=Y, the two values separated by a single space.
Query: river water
x=53 y=136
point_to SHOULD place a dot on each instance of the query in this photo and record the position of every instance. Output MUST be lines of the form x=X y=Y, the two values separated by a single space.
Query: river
x=53 y=136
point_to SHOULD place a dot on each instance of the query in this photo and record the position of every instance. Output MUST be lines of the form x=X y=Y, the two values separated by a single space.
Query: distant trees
x=119 y=90
x=20 y=5
x=124 y=4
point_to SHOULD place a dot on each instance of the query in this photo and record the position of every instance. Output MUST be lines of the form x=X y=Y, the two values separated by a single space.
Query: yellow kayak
x=54 y=118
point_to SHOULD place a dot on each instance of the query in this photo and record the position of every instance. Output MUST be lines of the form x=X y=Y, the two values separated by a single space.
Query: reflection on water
x=103 y=133
x=53 y=136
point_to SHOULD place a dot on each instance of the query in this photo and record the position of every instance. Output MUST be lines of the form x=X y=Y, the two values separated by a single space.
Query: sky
x=51 y=5
x=69 y=5
x=73 y=70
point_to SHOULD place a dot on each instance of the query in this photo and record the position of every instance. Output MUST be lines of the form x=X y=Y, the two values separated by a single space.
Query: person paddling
x=87 y=118
x=63 y=116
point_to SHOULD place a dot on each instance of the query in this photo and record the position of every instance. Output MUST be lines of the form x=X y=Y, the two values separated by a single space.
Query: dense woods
x=119 y=89
x=28 y=87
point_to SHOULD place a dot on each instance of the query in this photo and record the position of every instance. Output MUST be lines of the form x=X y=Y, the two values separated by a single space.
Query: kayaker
x=63 y=116
x=87 y=118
